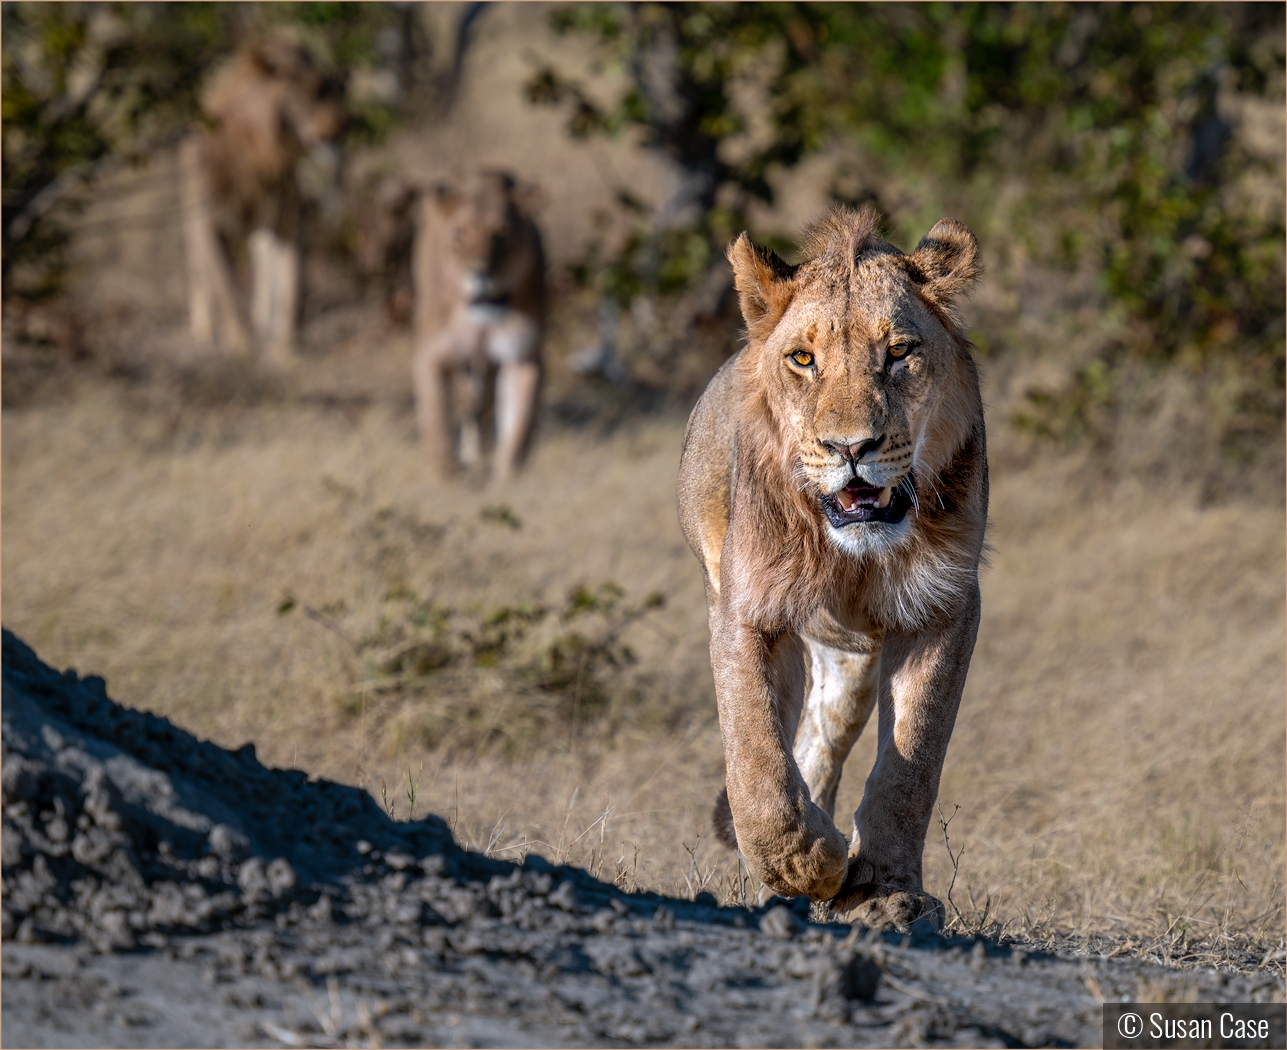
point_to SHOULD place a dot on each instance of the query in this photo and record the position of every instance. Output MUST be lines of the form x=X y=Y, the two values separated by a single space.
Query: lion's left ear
x=946 y=262
x=763 y=285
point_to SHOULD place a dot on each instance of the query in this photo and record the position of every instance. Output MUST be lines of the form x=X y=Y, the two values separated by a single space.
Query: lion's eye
x=899 y=349
x=802 y=358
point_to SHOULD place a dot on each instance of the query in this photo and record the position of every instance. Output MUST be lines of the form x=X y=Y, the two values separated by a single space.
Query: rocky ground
x=162 y=891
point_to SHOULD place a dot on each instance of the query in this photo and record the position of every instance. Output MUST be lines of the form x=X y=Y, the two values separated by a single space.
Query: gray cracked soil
x=162 y=891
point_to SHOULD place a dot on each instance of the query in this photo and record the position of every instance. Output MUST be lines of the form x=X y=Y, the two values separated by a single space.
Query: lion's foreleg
x=213 y=316
x=430 y=381
x=921 y=680
x=196 y=244
x=517 y=384
x=788 y=843
x=274 y=266
x=842 y=696
x=515 y=346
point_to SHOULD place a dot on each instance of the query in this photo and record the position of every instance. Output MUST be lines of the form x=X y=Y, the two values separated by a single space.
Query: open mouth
x=859 y=502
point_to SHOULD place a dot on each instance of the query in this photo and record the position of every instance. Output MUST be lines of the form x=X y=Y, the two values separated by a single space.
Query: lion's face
x=485 y=232
x=862 y=375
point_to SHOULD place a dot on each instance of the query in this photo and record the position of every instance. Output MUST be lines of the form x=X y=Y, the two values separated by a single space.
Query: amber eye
x=802 y=358
x=899 y=349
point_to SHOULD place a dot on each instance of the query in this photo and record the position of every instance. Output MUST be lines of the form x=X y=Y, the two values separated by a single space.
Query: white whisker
x=931 y=477
x=801 y=477
x=910 y=486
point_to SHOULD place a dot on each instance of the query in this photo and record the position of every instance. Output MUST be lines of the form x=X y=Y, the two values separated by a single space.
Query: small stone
x=281 y=876
x=116 y=926
x=565 y=896
x=978 y=957
x=12 y=839
x=92 y=847
x=860 y=978
x=399 y=861
x=780 y=923
x=538 y=883
x=321 y=911
x=364 y=847
x=102 y=799
x=229 y=843
x=20 y=779
x=252 y=879
x=798 y=965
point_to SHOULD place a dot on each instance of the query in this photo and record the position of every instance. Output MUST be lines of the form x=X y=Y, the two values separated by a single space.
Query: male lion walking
x=834 y=486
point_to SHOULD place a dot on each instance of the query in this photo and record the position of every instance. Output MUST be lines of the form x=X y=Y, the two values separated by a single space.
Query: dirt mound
x=118 y=825
x=144 y=868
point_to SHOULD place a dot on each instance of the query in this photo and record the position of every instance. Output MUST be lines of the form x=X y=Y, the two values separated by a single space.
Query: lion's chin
x=861 y=504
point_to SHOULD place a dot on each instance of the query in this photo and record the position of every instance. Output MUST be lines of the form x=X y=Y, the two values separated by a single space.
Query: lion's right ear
x=763 y=283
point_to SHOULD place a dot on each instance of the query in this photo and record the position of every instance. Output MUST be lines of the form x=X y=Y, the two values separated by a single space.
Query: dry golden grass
x=287 y=573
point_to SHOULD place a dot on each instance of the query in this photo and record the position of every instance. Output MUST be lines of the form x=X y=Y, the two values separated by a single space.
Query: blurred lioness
x=834 y=486
x=479 y=276
x=267 y=107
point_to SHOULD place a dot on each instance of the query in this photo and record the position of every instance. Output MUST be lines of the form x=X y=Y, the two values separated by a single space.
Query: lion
x=479 y=277
x=834 y=486
x=268 y=107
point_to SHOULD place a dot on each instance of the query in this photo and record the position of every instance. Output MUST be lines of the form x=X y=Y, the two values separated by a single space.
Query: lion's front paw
x=884 y=907
x=794 y=851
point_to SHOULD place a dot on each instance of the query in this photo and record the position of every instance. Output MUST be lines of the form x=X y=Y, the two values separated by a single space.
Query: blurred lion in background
x=479 y=277
x=834 y=486
x=268 y=106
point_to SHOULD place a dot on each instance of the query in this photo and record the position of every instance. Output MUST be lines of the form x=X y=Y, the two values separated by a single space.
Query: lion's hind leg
x=722 y=820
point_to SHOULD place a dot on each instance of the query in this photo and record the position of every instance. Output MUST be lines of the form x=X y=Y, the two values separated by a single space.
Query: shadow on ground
x=162 y=891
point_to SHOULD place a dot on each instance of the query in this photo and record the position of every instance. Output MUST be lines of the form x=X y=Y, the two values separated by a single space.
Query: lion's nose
x=855 y=451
